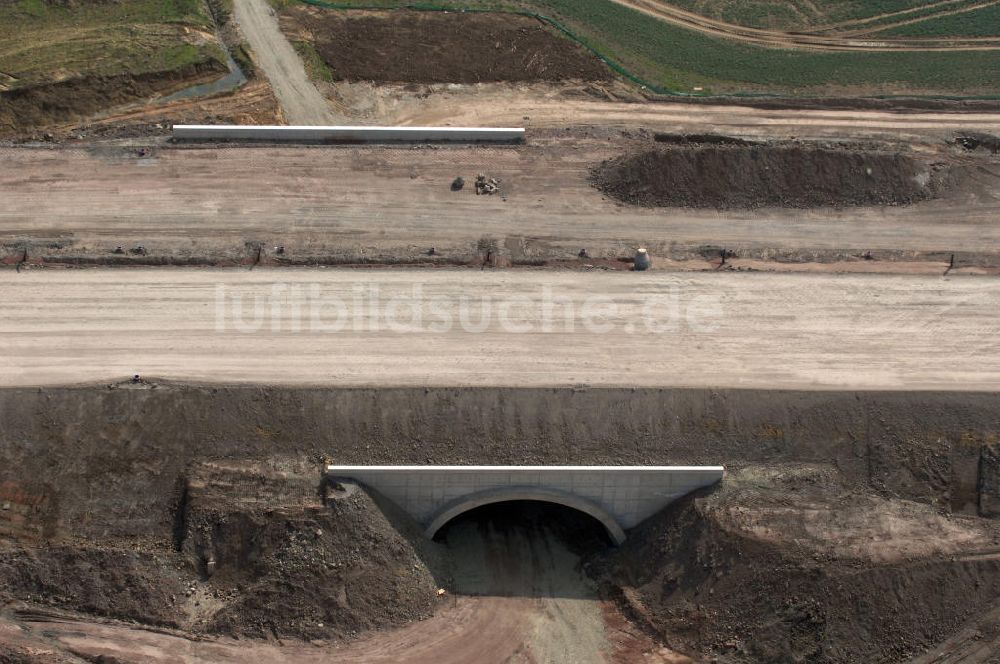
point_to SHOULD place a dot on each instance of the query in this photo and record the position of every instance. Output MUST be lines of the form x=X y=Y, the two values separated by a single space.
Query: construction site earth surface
x=793 y=302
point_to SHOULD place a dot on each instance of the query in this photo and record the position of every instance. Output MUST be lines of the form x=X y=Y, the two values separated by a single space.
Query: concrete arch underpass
x=503 y=495
x=619 y=497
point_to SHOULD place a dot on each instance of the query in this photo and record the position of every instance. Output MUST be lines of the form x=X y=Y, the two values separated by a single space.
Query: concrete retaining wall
x=347 y=134
x=620 y=497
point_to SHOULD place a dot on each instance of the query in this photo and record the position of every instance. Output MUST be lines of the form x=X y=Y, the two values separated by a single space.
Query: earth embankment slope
x=103 y=462
x=786 y=562
x=211 y=495
x=63 y=61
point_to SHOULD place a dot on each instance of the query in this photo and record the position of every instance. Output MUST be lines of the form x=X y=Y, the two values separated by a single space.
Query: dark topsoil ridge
x=752 y=176
x=394 y=47
x=25 y=109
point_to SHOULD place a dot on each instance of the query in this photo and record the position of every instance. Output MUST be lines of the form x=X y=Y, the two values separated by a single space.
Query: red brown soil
x=433 y=47
x=765 y=176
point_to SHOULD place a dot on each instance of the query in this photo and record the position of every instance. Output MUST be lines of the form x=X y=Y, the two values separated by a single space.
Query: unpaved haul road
x=359 y=202
x=463 y=327
x=519 y=596
x=300 y=101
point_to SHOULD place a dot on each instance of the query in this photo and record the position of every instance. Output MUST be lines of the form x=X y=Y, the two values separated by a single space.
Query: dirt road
x=300 y=101
x=518 y=596
x=360 y=203
x=488 y=630
x=465 y=327
x=545 y=106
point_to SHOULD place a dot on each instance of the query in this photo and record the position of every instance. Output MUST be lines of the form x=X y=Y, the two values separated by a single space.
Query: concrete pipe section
x=619 y=497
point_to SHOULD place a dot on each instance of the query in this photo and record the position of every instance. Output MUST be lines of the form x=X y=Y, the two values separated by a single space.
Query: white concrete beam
x=348 y=134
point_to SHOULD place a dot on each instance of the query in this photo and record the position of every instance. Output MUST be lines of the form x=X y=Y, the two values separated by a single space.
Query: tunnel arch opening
x=470 y=502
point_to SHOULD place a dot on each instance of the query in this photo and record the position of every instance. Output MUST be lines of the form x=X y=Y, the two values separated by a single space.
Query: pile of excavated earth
x=263 y=550
x=791 y=563
x=768 y=175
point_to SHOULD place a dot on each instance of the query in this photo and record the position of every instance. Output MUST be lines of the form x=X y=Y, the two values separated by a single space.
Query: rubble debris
x=974 y=140
x=487 y=185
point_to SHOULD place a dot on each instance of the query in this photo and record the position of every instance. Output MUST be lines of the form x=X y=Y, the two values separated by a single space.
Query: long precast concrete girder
x=619 y=497
x=353 y=134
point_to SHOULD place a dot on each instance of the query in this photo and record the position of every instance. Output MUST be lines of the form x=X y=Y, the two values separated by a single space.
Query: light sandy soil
x=617 y=105
x=301 y=102
x=361 y=203
x=462 y=327
x=500 y=627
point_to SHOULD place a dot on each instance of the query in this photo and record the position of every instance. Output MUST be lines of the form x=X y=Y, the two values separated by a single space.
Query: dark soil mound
x=114 y=582
x=789 y=564
x=254 y=551
x=434 y=47
x=289 y=562
x=764 y=176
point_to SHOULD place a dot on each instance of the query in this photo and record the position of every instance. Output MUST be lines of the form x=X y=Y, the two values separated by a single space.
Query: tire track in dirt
x=876 y=29
x=757 y=330
x=777 y=39
x=877 y=17
x=301 y=102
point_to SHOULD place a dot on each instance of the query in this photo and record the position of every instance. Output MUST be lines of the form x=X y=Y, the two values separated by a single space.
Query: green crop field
x=805 y=15
x=42 y=41
x=983 y=22
x=681 y=60
x=793 y=14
